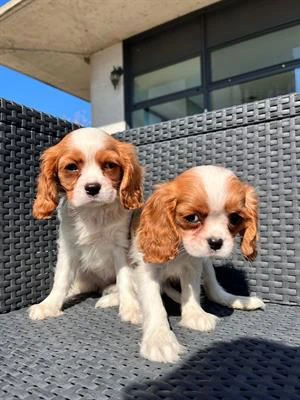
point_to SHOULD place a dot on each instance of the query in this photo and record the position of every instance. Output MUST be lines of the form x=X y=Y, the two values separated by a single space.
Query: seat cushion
x=89 y=353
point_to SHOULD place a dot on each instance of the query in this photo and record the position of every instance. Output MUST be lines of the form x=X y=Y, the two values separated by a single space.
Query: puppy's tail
x=171 y=292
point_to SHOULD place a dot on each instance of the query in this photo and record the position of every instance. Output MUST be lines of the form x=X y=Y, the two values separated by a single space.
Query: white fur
x=93 y=239
x=158 y=342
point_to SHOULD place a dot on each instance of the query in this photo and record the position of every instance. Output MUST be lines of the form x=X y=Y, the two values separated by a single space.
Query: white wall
x=107 y=103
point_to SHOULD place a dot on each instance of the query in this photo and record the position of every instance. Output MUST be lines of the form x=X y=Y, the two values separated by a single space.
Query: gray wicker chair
x=88 y=353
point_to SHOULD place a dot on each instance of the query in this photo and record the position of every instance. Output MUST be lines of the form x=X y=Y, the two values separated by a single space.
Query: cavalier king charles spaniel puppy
x=183 y=225
x=94 y=181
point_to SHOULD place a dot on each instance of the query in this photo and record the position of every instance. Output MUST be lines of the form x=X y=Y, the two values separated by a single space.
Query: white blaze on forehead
x=215 y=182
x=89 y=140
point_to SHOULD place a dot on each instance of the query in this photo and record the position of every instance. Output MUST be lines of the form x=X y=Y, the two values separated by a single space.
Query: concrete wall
x=107 y=103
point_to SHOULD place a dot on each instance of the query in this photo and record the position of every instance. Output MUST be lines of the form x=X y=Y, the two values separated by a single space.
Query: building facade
x=227 y=54
x=179 y=57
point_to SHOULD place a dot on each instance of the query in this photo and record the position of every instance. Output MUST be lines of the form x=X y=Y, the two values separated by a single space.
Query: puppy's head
x=90 y=168
x=203 y=209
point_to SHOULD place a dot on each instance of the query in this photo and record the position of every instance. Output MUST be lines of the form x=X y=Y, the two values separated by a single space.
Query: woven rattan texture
x=233 y=117
x=267 y=155
x=27 y=246
x=264 y=153
x=90 y=354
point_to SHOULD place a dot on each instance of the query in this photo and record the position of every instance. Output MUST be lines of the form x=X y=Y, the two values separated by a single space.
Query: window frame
x=208 y=85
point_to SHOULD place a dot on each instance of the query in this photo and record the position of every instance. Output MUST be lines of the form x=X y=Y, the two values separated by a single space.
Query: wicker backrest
x=28 y=250
x=259 y=141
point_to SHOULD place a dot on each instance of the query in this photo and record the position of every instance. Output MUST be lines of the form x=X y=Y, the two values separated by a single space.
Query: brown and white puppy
x=93 y=180
x=183 y=224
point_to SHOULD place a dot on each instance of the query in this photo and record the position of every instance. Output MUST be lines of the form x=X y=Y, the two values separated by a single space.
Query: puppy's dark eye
x=235 y=219
x=72 y=167
x=192 y=218
x=110 y=165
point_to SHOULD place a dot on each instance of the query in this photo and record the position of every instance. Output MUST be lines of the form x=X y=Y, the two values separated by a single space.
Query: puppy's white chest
x=97 y=239
x=93 y=230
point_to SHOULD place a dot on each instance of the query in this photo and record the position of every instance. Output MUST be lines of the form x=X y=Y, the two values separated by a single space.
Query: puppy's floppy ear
x=250 y=232
x=47 y=190
x=131 y=188
x=158 y=237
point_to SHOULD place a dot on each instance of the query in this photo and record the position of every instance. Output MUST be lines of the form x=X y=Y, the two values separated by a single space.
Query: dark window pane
x=259 y=89
x=241 y=18
x=171 y=79
x=166 y=111
x=166 y=47
x=249 y=55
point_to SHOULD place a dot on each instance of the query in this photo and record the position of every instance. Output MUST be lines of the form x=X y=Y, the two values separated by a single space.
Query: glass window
x=171 y=79
x=167 y=47
x=249 y=55
x=258 y=89
x=169 y=110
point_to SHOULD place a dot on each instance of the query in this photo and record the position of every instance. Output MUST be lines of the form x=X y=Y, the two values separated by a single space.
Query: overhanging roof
x=51 y=40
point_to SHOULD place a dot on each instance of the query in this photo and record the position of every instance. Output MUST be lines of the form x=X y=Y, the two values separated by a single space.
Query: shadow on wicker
x=242 y=369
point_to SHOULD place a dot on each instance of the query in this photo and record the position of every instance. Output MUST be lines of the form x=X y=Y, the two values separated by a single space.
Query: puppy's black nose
x=214 y=243
x=92 y=188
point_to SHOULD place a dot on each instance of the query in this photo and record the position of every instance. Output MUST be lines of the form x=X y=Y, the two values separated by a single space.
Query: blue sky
x=34 y=94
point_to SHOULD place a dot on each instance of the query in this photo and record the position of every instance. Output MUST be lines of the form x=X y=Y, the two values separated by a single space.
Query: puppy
x=183 y=224
x=93 y=180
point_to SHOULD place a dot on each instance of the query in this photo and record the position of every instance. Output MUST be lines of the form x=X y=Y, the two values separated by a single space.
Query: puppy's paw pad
x=161 y=346
x=109 y=300
x=199 y=320
x=131 y=312
x=42 y=311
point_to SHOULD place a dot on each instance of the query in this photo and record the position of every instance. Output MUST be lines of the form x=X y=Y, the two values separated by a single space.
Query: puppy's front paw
x=161 y=345
x=108 y=300
x=42 y=311
x=130 y=311
x=248 y=303
x=199 y=320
